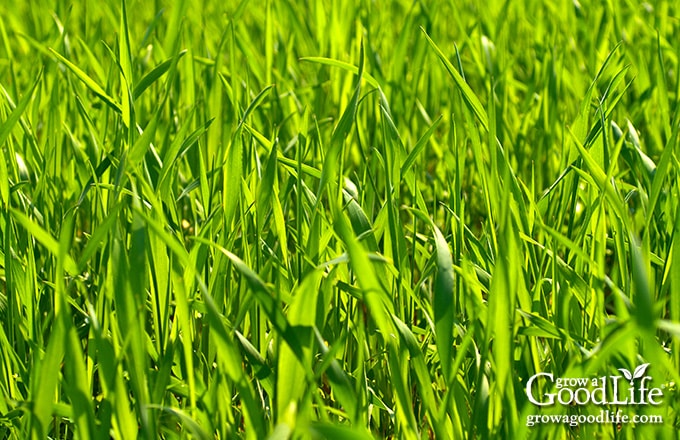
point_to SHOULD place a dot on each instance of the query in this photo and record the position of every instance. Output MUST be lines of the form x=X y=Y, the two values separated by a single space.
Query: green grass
x=334 y=219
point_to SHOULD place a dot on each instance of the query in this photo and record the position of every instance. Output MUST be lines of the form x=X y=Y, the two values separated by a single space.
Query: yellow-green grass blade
x=471 y=100
x=89 y=82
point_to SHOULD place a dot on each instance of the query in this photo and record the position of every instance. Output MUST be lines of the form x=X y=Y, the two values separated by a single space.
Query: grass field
x=335 y=219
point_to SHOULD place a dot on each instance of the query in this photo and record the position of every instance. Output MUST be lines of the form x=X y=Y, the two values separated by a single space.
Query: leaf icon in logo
x=640 y=371
x=626 y=374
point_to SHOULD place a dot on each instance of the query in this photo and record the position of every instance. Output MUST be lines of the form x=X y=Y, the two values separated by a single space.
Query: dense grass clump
x=335 y=219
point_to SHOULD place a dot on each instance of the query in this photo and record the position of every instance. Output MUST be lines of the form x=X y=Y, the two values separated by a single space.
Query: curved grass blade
x=6 y=129
x=418 y=148
x=8 y=124
x=290 y=385
x=147 y=80
x=50 y=243
x=89 y=82
x=443 y=301
x=469 y=96
x=344 y=66
x=333 y=156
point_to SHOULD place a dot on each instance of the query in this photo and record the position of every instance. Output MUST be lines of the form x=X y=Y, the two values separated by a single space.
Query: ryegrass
x=334 y=219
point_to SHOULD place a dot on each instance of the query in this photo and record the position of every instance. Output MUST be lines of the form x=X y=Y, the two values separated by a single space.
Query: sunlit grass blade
x=125 y=61
x=13 y=118
x=289 y=220
x=290 y=380
x=333 y=158
x=471 y=100
x=157 y=72
x=89 y=82
x=443 y=301
x=44 y=238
